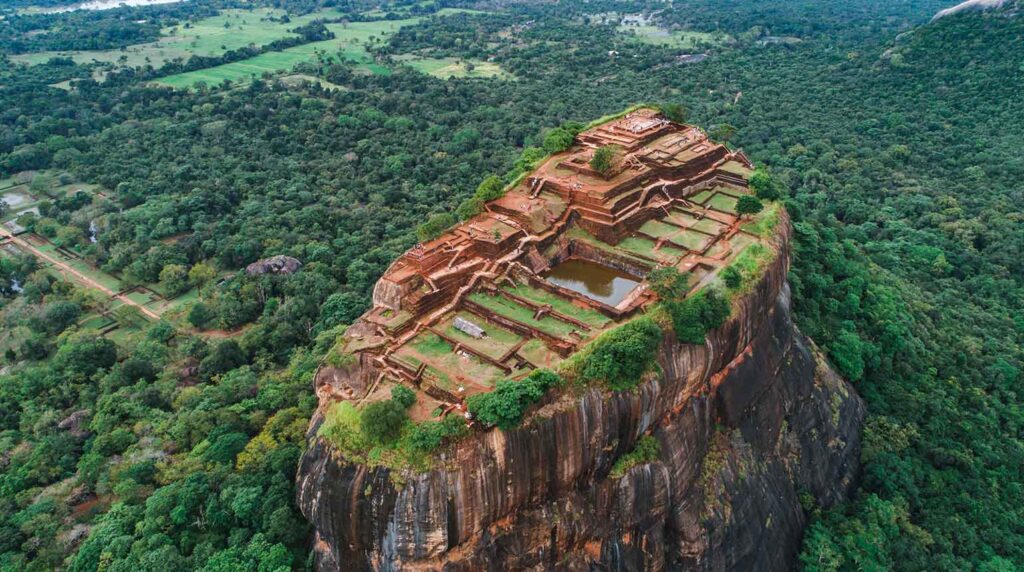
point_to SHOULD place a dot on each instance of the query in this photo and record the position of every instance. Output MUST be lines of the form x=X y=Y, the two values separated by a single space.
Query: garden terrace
x=560 y=258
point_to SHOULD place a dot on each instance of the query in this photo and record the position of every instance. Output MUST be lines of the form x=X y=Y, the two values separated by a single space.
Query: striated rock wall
x=748 y=424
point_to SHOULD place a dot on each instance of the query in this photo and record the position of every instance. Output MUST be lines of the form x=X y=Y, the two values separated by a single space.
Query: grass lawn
x=658 y=229
x=95 y=322
x=707 y=225
x=588 y=316
x=764 y=222
x=577 y=233
x=497 y=342
x=538 y=354
x=446 y=368
x=686 y=39
x=723 y=202
x=124 y=335
x=645 y=247
x=691 y=240
x=505 y=307
x=701 y=197
x=296 y=79
x=736 y=168
x=741 y=241
x=445 y=68
x=349 y=42
x=229 y=30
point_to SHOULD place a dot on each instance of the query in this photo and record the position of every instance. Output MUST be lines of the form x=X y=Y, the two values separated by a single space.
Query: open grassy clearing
x=686 y=39
x=645 y=247
x=296 y=79
x=658 y=229
x=229 y=30
x=446 y=367
x=708 y=225
x=505 y=307
x=737 y=168
x=723 y=202
x=701 y=197
x=350 y=43
x=444 y=68
x=764 y=222
x=497 y=342
x=586 y=315
x=691 y=240
x=537 y=353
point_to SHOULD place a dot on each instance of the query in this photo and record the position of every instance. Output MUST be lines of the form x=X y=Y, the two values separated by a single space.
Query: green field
x=691 y=240
x=645 y=247
x=560 y=304
x=350 y=42
x=701 y=197
x=237 y=28
x=505 y=307
x=708 y=225
x=658 y=229
x=723 y=202
x=495 y=344
x=680 y=39
x=445 y=68
x=229 y=30
x=444 y=364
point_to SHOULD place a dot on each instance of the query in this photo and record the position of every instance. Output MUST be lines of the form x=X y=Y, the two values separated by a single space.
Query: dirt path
x=82 y=278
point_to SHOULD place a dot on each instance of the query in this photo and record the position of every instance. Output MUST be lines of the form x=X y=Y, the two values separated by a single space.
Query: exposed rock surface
x=748 y=424
x=279 y=264
x=973 y=5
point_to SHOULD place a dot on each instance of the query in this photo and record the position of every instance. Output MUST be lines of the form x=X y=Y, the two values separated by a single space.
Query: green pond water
x=596 y=281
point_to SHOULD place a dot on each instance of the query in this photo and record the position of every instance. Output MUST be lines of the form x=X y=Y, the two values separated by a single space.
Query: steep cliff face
x=750 y=425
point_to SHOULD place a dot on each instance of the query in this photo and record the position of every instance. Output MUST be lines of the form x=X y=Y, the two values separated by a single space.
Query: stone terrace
x=454 y=315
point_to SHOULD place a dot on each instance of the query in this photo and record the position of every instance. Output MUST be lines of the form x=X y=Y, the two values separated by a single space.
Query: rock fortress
x=746 y=422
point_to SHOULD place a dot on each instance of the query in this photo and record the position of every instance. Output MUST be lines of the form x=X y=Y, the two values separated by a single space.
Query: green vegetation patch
x=685 y=39
x=701 y=197
x=445 y=68
x=746 y=267
x=213 y=36
x=509 y=309
x=708 y=225
x=736 y=168
x=495 y=344
x=723 y=202
x=766 y=221
x=658 y=229
x=538 y=353
x=588 y=316
x=691 y=240
x=504 y=407
x=350 y=43
x=645 y=247
x=446 y=368
x=619 y=357
x=646 y=451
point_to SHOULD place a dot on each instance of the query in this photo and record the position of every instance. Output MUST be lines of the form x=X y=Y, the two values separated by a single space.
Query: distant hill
x=971 y=5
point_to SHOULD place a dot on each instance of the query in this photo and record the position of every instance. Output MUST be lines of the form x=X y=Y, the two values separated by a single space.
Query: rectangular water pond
x=596 y=281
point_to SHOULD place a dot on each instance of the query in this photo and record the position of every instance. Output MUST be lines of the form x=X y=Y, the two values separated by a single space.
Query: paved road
x=82 y=278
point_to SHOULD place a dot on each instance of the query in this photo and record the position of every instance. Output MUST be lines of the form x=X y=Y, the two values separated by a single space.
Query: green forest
x=130 y=442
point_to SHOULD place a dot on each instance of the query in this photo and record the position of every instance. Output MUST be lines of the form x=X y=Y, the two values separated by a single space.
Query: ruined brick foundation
x=747 y=423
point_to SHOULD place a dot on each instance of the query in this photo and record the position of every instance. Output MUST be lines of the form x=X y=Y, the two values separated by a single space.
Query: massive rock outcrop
x=752 y=426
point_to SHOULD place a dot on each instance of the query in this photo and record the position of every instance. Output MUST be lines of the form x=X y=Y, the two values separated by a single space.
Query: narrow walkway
x=82 y=278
